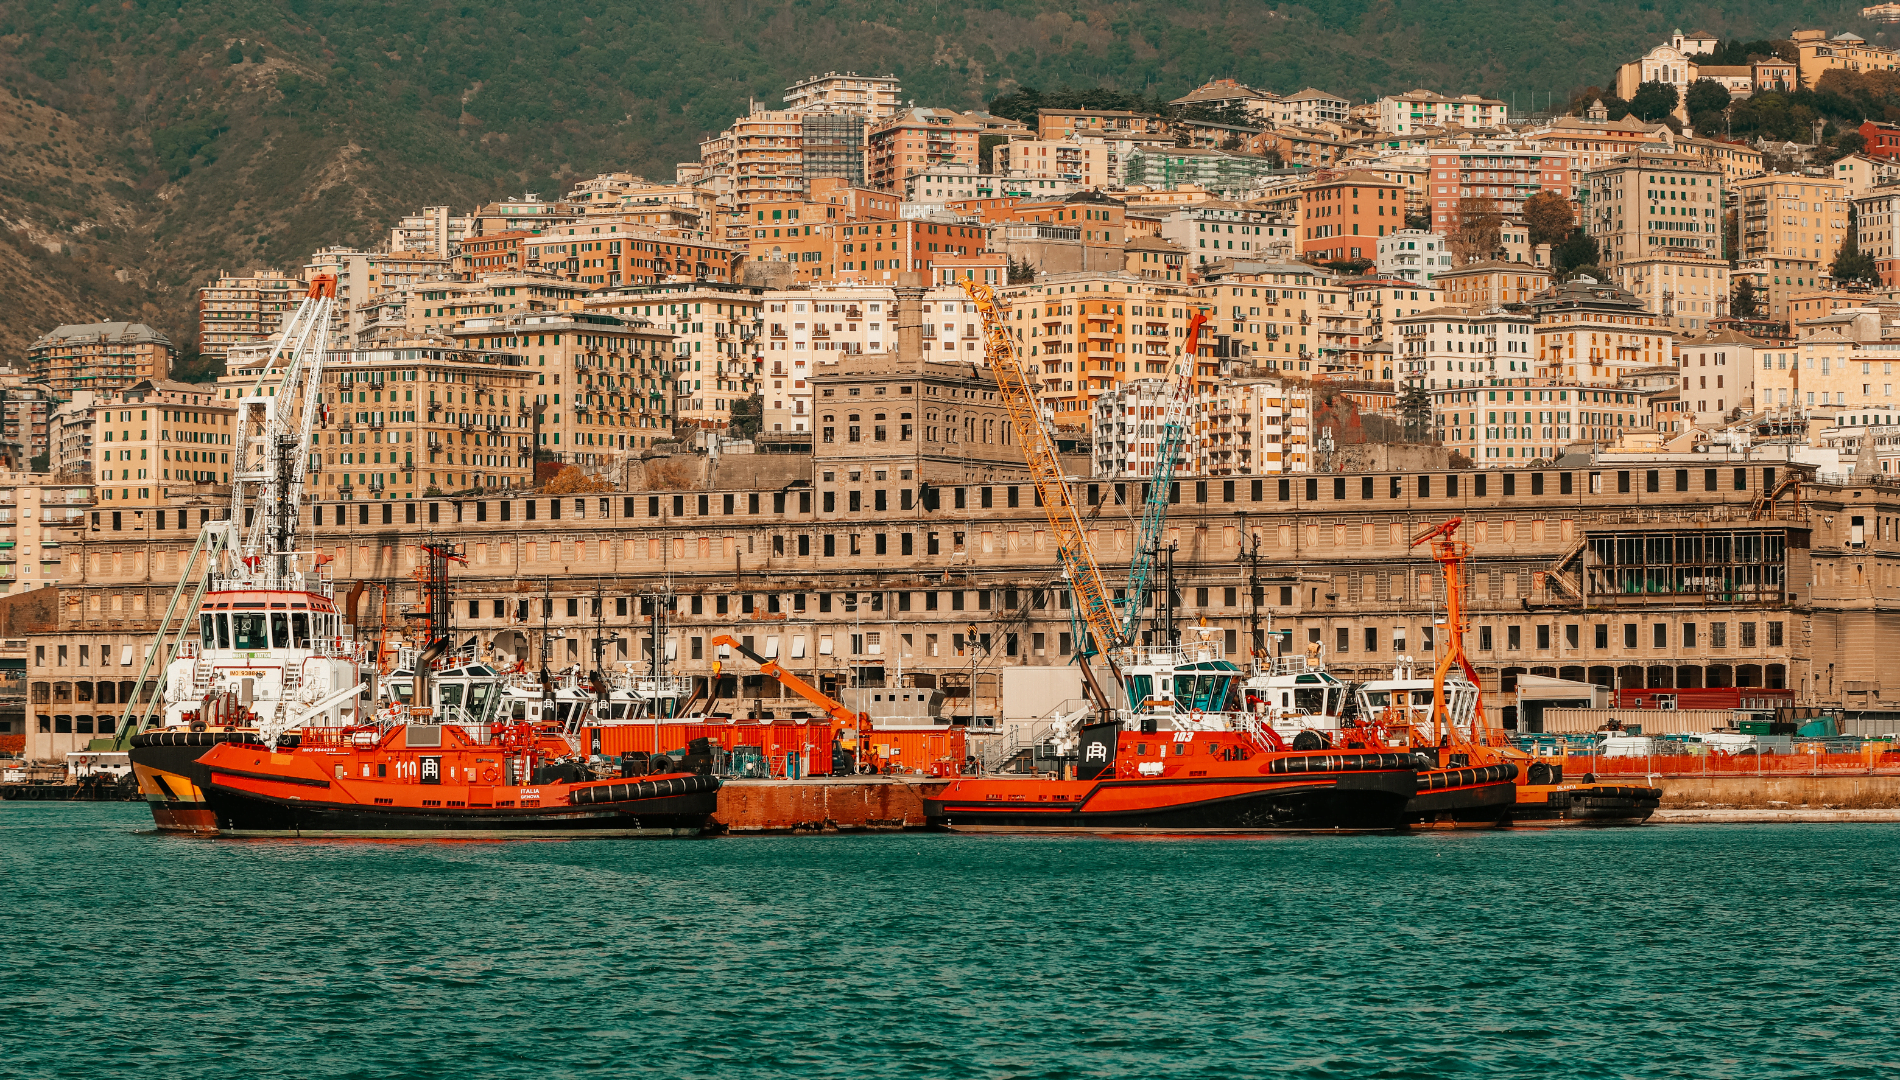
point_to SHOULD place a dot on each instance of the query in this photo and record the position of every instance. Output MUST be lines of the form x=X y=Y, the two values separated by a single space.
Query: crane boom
x=835 y=709
x=1154 y=515
x=1097 y=612
x=268 y=466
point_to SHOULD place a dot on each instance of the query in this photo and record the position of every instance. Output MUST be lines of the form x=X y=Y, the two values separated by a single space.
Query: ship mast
x=272 y=450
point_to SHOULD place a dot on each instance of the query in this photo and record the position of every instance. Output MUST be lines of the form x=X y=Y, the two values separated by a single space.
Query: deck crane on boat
x=254 y=546
x=1175 y=419
x=1450 y=553
x=1095 y=611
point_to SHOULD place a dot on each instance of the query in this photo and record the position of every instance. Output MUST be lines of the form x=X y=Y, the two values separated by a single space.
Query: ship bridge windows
x=247 y=631
x=280 y=629
x=300 y=631
x=215 y=631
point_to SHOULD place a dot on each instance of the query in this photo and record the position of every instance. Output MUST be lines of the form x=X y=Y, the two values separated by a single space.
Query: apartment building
x=97 y=356
x=1310 y=108
x=1505 y=173
x=1248 y=425
x=237 y=308
x=1342 y=217
x=1155 y=258
x=529 y=213
x=39 y=522
x=1594 y=141
x=1417 y=255
x=1841 y=368
x=1716 y=376
x=496 y=253
x=1215 y=230
x=760 y=157
x=1591 y=333
x=1265 y=311
x=1801 y=217
x=25 y=424
x=873 y=97
x=1402 y=113
x=434 y=231
x=420 y=419
x=717 y=336
x=1226 y=174
x=157 y=440
x=1820 y=54
x=608 y=253
x=1646 y=203
x=1081 y=335
x=1067 y=161
x=1492 y=283
x=916 y=140
x=1460 y=344
x=1686 y=290
x=602 y=384
x=1876 y=215
x=1508 y=422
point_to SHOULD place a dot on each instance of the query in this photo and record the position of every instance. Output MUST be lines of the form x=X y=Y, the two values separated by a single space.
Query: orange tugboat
x=440 y=780
x=1171 y=743
x=264 y=729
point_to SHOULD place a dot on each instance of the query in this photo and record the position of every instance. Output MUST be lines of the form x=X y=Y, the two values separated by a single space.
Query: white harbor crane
x=254 y=548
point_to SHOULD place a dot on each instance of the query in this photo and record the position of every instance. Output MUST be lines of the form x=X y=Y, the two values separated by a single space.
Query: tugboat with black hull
x=1170 y=743
x=266 y=726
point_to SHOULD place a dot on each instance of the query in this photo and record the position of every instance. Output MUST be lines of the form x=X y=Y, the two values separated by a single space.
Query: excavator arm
x=841 y=717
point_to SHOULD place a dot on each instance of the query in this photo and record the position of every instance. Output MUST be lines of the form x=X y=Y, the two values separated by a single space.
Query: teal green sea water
x=1704 y=951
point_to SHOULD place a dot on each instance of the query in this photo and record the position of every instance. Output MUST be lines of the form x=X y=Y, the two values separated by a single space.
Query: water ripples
x=1733 y=951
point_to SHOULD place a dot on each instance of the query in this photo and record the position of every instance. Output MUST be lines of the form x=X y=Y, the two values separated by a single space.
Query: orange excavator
x=845 y=724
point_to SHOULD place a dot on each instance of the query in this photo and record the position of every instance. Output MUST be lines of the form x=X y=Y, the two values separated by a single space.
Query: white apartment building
x=1462 y=345
x=1252 y=426
x=1310 y=108
x=1414 y=255
x=1215 y=230
x=1402 y=114
x=802 y=329
x=1125 y=427
x=356 y=274
x=433 y=230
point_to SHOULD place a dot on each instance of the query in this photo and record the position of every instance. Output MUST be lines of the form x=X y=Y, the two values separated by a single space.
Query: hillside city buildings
x=769 y=365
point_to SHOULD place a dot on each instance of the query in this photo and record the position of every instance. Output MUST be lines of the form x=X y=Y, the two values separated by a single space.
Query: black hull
x=1589 y=806
x=172 y=778
x=242 y=813
x=1351 y=802
x=113 y=792
x=1474 y=797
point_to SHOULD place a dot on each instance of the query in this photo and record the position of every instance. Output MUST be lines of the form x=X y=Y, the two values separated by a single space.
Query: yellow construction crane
x=1097 y=611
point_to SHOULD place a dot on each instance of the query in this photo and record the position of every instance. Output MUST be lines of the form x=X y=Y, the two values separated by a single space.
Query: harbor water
x=1732 y=951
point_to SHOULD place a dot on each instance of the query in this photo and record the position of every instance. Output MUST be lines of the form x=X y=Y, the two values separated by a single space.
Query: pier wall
x=823 y=804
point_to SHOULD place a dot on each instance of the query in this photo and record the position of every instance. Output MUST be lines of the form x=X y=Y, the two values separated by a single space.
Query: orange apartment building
x=916 y=140
x=496 y=254
x=617 y=254
x=1083 y=335
x=1343 y=218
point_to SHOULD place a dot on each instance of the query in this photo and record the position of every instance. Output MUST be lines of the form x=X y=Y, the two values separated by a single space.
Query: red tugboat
x=441 y=781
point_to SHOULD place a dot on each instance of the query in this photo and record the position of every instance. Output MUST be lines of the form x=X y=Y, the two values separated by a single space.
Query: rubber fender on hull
x=643 y=789
x=1455 y=778
x=174 y=737
x=1339 y=763
x=1309 y=740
